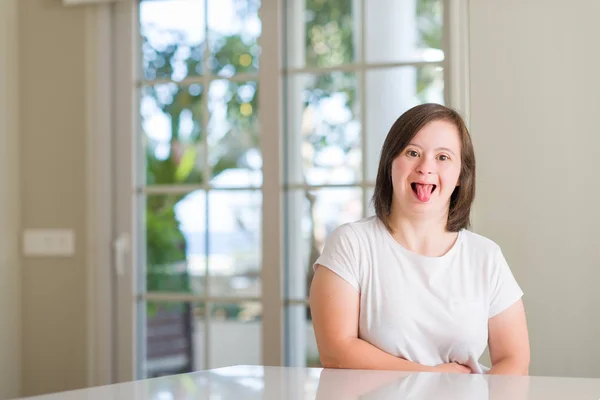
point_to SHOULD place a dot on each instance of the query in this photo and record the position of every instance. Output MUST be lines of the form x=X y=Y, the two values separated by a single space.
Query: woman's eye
x=443 y=157
x=412 y=153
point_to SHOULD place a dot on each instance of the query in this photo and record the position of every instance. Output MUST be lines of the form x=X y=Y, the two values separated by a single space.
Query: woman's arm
x=335 y=306
x=509 y=341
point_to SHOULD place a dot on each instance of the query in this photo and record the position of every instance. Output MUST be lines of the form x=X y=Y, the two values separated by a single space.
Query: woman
x=410 y=288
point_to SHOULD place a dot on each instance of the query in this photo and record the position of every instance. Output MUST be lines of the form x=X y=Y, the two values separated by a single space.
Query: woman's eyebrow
x=438 y=149
x=445 y=149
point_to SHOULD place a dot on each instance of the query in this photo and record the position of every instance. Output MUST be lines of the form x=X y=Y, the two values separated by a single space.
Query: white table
x=275 y=383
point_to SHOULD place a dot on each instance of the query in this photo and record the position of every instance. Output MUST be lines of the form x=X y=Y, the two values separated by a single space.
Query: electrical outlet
x=49 y=242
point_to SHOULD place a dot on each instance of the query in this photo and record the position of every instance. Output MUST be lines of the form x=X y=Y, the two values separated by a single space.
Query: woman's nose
x=426 y=166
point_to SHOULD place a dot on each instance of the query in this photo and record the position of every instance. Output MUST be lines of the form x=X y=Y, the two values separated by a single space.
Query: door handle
x=121 y=247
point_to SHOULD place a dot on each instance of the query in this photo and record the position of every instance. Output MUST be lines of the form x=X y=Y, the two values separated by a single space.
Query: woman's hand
x=452 y=368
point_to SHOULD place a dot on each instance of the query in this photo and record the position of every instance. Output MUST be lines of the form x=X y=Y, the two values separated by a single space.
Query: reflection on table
x=274 y=383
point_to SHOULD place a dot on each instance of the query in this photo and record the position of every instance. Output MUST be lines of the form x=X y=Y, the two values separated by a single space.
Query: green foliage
x=166 y=246
x=329 y=42
x=233 y=55
x=329 y=32
x=429 y=23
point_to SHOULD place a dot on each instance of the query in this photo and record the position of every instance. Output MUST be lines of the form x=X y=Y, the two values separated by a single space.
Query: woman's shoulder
x=478 y=243
x=357 y=234
x=362 y=228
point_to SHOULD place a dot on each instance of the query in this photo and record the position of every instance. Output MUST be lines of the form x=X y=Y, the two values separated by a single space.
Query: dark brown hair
x=400 y=135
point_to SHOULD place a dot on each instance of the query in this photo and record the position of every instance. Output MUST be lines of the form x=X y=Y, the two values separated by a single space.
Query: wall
x=52 y=164
x=10 y=273
x=535 y=102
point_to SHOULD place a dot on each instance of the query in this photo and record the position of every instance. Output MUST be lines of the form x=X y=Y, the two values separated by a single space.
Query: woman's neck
x=423 y=234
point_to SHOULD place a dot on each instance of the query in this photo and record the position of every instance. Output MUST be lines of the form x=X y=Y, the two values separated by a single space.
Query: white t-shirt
x=429 y=310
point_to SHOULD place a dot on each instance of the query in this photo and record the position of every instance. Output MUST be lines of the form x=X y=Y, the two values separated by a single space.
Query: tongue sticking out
x=424 y=191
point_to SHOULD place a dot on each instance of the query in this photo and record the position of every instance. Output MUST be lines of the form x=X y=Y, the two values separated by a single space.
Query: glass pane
x=171 y=122
x=311 y=217
x=323 y=129
x=173 y=338
x=235 y=334
x=321 y=33
x=390 y=93
x=172 y=38
x=235 y=242
x=300 y=343
x=176 y=243
x=234 y=155
x=415 y=26
x=233 y=30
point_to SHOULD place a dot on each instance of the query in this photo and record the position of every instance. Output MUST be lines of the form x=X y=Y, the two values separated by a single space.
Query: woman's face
x=426 y=172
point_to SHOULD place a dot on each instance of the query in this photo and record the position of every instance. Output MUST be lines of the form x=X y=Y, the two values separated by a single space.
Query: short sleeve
x=340 y=255
x=504 y=289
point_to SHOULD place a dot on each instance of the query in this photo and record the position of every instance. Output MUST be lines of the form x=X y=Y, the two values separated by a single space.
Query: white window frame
x=111 y=111
x=98 y=97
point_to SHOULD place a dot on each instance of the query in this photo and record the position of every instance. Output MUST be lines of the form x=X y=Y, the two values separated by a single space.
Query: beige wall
x=52 y=133
x=535 y=104
x=10 y=279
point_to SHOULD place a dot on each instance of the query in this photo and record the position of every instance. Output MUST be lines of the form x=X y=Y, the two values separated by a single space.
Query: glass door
x=246 y=131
